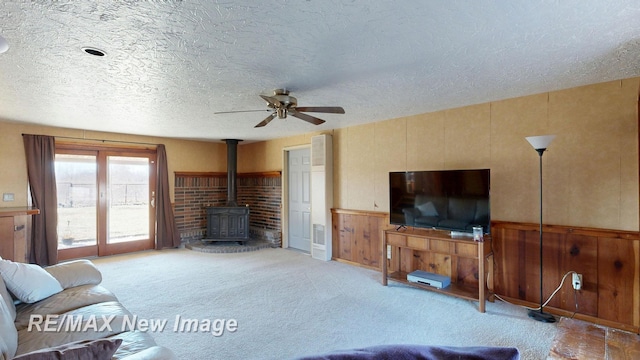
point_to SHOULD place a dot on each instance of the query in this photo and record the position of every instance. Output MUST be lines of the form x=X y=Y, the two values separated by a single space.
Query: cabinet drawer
x=396 y=240
x=467 y=250
x=418 y=243
x=441 y=246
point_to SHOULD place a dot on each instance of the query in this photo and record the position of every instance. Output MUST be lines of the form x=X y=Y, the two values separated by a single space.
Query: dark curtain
x=40 y=151
x=167 y=235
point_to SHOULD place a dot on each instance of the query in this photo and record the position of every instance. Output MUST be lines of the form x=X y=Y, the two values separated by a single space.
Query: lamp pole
x=540 y=144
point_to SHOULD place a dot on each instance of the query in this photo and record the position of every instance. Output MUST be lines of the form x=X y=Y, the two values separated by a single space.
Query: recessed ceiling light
x=94 y=51
x=4 y=45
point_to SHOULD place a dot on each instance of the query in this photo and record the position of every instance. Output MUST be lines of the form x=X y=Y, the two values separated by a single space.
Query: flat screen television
x=455 y=200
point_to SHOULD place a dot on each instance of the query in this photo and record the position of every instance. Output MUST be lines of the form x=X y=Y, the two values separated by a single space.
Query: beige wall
x=590 y=170
x=267 y=155
x=182 y=155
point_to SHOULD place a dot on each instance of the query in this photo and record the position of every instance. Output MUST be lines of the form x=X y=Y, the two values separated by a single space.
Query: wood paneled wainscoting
x=357 y=236
x=609 y=261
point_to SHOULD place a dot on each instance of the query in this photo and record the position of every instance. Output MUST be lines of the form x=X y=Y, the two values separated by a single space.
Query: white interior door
x=300 y=199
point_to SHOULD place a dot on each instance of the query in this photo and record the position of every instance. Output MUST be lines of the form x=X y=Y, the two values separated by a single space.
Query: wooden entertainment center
x=608 y=259
x=436 y=251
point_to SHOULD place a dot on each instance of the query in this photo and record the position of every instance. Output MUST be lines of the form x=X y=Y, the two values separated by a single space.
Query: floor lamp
x=540 y=143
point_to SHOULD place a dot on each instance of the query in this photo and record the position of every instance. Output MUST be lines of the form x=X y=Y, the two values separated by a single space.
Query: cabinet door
x=6 y=237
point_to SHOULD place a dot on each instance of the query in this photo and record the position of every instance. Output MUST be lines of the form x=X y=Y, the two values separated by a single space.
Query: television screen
x=454 y=200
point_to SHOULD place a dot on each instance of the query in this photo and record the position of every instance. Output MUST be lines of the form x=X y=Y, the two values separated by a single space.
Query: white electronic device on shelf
x=460 y=234
x=427 y=278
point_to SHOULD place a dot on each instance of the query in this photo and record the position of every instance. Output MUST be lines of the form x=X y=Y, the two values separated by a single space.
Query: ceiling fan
x=281 y=105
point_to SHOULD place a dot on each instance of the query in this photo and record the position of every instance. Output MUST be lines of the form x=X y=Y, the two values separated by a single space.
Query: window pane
x=76 y=190
x=128 y=184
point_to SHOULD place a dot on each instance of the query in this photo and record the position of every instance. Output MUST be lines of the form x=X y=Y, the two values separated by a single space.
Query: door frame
x=284 y=212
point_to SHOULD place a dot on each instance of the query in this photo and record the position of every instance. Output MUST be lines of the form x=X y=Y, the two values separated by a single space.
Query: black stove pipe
x=232 y=171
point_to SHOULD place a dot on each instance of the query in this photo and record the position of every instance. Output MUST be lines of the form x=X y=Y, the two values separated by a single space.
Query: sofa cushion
x=102 y=349
x=152 y=353
x=139 y=345
x=4 y=351
x=8 y=299
x=132 y=343
x=8 y=333
x=65 y=301
x=28 y=282
x=75 y=273
x=90 y=322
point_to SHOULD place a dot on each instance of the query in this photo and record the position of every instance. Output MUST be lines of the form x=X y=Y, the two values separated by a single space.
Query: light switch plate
x=8 y=197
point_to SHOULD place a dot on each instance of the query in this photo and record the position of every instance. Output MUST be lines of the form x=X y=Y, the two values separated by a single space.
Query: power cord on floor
x=575 y=295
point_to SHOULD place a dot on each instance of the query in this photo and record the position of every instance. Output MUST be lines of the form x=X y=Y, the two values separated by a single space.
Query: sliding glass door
x=106 y=201
x=76 y=181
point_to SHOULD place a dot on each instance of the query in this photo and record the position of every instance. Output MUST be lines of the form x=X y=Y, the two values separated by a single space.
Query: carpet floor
x=282 y=304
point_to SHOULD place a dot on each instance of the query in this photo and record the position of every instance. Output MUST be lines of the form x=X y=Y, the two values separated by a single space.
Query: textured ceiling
x=171 y=64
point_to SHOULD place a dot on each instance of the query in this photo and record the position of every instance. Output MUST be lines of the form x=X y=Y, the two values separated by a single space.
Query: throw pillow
x=28 y=282
x=428 y=209
x=75 y=273
x=102 y=349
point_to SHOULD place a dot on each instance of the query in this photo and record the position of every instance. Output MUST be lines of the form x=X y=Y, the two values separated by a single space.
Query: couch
x=62 y=312
x=454 y=213
x=420 y=352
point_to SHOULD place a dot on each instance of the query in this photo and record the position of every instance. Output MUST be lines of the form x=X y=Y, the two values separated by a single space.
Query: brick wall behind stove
x=194 y=193
x=264 y=196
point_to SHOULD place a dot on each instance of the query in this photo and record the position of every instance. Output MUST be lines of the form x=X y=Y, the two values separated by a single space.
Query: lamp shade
x=4 y=45
x=540 y=142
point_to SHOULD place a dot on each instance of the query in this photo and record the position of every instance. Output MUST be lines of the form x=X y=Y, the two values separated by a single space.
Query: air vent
x=94 y=51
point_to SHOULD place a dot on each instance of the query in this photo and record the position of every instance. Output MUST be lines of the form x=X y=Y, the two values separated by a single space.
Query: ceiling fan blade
x=271 y=100
x=305 y=117
x=267 y=120
x=239 y=111
x=321 y=109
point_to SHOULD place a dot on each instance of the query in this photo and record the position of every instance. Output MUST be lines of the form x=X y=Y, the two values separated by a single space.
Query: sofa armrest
x=75 y=273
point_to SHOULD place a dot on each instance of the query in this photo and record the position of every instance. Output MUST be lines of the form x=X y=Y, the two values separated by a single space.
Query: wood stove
x=226 y=223
x=230 y=222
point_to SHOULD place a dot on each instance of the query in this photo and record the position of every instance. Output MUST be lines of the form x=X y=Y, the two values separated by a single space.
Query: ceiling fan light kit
x=282 y=105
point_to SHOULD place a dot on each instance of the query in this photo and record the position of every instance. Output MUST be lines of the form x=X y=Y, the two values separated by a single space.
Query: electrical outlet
x=577 y=281
x=388 y=251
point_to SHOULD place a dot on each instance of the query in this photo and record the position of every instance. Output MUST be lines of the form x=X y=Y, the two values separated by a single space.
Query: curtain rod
x=102 y=140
